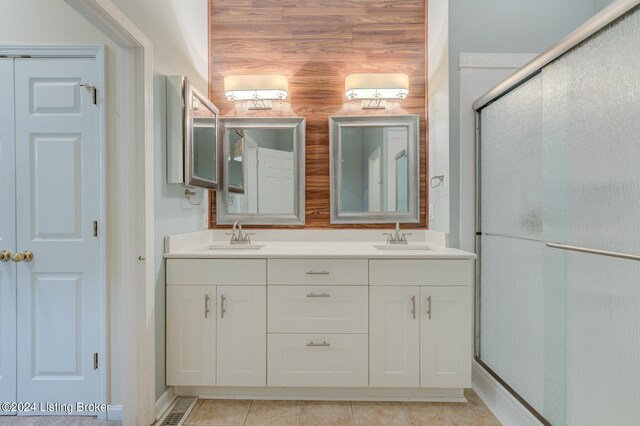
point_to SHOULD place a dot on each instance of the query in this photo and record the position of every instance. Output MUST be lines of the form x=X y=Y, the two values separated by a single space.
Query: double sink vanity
x=310 y=313
x=318 y=314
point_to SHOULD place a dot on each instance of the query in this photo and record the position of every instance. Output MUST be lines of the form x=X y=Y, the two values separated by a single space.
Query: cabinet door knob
x=5 y=255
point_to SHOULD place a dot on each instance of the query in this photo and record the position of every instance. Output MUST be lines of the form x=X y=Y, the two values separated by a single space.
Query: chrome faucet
x=239 y=237
x=396 y=237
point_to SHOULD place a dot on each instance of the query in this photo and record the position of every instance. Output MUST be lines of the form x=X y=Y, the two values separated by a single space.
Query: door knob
x=5 y=255
x=25 y=256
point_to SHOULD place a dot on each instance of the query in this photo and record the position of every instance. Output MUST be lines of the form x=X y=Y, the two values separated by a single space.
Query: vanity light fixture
x=375 y=89
x=257 y=90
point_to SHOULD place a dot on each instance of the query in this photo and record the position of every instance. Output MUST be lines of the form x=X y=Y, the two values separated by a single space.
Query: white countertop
x=316 y=249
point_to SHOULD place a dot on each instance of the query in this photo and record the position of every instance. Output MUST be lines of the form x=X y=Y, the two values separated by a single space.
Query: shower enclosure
x=558 y=226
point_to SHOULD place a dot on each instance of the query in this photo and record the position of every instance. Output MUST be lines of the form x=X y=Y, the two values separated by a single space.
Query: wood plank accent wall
x=316 y=44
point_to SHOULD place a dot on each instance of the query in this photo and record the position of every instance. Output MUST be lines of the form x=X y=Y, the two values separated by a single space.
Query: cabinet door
x=445 y=337
x=242 y=336
x=394 y=336
x=191 y=335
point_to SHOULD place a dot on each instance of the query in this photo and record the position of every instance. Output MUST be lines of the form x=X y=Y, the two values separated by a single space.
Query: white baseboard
x=164 y=402
x=114 y=413
x=504 y=406
x=324 y=394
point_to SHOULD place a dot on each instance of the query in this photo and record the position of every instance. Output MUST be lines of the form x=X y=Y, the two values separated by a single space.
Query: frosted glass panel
x=511 y=155
x=560 y=161
x=603 y=346
x=522 y=332
x=591 y=134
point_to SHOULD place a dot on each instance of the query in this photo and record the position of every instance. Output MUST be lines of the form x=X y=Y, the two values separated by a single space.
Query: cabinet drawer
x=216 y=272
x=318 y=309
x=318 y=271
x=421 y=272
x=326 y=360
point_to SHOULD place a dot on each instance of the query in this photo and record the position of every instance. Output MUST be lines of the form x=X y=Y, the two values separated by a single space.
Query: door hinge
x=95 y=228
x=94 y=92
x=95 y=361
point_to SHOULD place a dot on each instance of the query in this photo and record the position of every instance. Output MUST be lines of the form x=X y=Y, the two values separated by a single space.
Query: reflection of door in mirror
x=402 y=203
x=396 y=146
x=369 y=168
x=375 y=181
x=269 y=185
x=275 y=181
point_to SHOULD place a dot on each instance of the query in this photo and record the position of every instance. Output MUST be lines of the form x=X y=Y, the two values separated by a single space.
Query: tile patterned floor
x=54 y=421
x=210 y=412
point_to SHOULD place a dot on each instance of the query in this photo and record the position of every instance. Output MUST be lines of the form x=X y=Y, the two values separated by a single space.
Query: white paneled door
x=7 y=237
x=56 y=262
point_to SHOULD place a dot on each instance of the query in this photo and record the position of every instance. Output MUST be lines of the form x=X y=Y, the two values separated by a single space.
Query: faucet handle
x=403 y=238
x=247 y=238
x=389 y=236
x=234 y=237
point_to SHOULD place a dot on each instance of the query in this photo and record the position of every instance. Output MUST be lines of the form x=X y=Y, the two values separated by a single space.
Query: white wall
x=500 y=26
x=54 y=22
x=178 y=31
x=479 y=72
x=438 y=110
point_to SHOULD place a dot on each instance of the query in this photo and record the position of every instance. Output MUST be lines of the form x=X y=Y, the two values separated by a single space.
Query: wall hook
x=439 y=179
x=188 y=194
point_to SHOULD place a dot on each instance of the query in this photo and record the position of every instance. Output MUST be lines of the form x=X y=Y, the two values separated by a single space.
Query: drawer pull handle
x=318 y=295
x=429 y=306
x=314 y=344
x=206 y=305
x=222 y=309
x=413 y=306
x=318 y=273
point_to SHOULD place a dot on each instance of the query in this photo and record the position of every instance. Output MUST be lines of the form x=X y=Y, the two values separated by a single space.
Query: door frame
x=135 y=260
x=96 y=53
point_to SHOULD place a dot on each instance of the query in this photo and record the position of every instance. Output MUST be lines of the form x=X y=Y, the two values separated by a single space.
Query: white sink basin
x=401 y=246
x=235 y=247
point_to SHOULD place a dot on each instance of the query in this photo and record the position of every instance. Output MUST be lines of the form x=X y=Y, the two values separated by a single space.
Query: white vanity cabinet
x=216 y=322
x=421 y=330
x=401 y=327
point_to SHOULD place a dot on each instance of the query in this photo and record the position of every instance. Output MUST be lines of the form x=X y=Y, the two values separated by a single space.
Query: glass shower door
x=559 y=215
